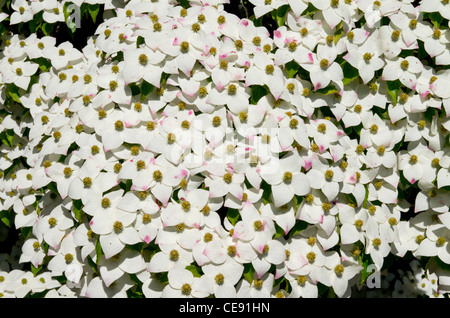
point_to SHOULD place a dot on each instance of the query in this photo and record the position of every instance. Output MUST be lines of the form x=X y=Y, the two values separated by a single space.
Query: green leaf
x=98 y=250
x=279 y=15
x=441 y=264
x=310 y=10
x=249 y=271
x=330 y=89
x=435 y=18
x=233 y=216
x=135 y=90
x=195 y=270
x=365 y=262
x=35 y=270
x=26 y=231
x=146 y=89
x=257 y=91
x=350 y=73
x=291 y=68
x=139 y=41
x=298 y=227
x=13 y=92
x=6 y=218
x=184 y=3
x=7 y=137
x=93 y=11
x=77 y=210
x=393 y=90
x=47 y=28
x=92 y=264
x=278 y=231
x=53 y=188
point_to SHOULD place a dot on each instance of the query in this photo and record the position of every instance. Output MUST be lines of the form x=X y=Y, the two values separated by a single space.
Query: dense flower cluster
x=187 y=152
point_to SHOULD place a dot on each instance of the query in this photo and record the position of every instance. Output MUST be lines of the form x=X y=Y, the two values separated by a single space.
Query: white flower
x=337 y=273
x=377 y=244
x=54 y=226
x=286 y=180
x=366 y=58
x=257 y=288
x=66 y=260
x=354 y=223
x=32 y=251
x=436 y=6
x=407 y=70
x=223 y=278
x=19 y=72
x=263 y=6
x=333 y=11
x=122 y=263
x=63 y=55
x=435 y=243
x=182 y=283
x=323 y=69
x=22 y=12
x=263 y=71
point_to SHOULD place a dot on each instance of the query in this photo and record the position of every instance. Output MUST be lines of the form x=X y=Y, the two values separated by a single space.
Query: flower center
x=87 y=182
x=329 y=175
x=143 y=59
x=146 y=218
x=381 y=150
x=404 y=65
x=243 y=117
x=436 y=34
x=174 y=255
x=293 y=123
x=171 y=138
x=392 y=221
x=184 y=47
x=270 y=69
x=395 y=35
x=292 y=46
x=232 y=89
x=228 y=177
x=106 y=203
x=441 y=241
x=157 y=176
x=216 y=121
x=311 y=256
x=202 y=91
x=52 y=222
x=287 y=177
x=339 y=269
x=322 y=128
x=186 y=206
x=376 y=242
x=324 y=64
x=367 y=56
x=359 y=224
x=118 y=227
x=258 y=283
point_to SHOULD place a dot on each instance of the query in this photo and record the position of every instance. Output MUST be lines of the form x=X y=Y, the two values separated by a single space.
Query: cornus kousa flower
x=366 y=58
x=287 y=180
x=406 y=70
x=322 y=68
